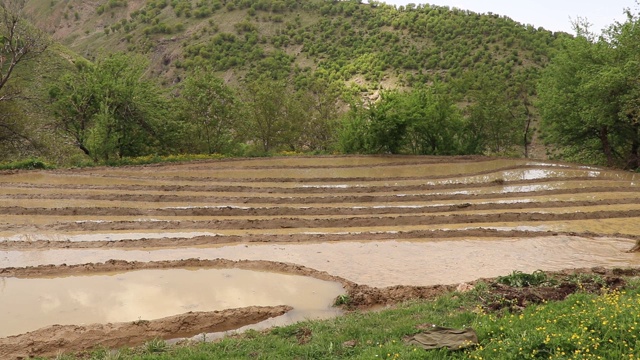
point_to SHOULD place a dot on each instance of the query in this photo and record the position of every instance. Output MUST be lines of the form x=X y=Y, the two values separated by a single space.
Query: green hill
x=370 y=45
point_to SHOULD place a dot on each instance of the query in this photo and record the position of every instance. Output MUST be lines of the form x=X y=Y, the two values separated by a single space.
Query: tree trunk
x=634 y=155
x=606 y=145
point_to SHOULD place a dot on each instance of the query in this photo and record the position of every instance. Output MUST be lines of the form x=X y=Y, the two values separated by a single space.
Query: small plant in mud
x=342 y=300
x=155 y=346
x=521 y=279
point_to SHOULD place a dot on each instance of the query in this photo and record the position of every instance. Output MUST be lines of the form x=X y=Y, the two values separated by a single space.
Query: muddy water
x=624 y=226
x=29 y=304
x=350 y=167
x=396 y=172
x=43 y=203
x=175 y=221
x=365 y=170
x=385 y=263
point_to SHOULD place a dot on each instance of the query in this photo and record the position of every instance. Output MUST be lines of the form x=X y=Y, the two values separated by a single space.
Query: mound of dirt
x=53 y=340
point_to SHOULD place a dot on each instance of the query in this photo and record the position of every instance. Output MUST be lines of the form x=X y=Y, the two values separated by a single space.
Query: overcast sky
x=554 y=15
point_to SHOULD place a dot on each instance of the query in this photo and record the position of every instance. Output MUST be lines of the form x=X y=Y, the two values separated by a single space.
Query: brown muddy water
x=383 y=263
x=32 y=303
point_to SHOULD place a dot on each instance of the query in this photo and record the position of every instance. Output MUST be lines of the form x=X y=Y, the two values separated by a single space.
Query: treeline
x=482 y=91
x=110 y=110
x=589 y=96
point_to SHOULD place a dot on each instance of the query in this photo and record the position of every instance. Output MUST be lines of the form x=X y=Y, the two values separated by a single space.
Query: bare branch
x=19 y=40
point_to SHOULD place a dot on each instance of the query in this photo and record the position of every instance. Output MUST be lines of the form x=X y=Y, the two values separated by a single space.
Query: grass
x=584 y=326
x=27 y=164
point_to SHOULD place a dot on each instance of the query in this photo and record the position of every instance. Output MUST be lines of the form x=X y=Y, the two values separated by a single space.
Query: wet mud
x=52 y=340
x=345 y=219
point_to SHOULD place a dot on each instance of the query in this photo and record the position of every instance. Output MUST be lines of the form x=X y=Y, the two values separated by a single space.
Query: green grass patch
x=584 y=326
x=27 y=164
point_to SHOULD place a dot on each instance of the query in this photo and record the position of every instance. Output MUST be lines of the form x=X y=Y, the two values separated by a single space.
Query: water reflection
x=29 y=304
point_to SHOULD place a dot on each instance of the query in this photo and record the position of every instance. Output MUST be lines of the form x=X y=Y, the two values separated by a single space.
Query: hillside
x=368 y=45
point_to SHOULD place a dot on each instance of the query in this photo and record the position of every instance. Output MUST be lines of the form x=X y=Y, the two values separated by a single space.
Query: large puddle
x=33 y=303
x=384 y=263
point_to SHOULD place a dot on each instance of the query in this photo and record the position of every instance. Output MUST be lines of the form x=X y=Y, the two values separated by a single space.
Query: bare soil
x=51 y=340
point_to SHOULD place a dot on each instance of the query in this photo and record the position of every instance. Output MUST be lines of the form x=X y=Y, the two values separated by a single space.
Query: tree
x=274 y=114
x=109 y=110
x=212 y=109
x=19 y=42
x=497 y=118
x=589 y=96
x=320 y=102
x=423 y=121
x=436 y=126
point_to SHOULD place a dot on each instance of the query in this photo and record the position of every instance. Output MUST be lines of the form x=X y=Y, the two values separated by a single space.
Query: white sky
x=554 y=15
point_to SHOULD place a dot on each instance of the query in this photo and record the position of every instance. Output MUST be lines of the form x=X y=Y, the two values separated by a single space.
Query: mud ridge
x=284 y=210
x=200 y=179
x=52 y=340
x=121 y=265
x=313 y=200
x=345 y=222
x=305 y=189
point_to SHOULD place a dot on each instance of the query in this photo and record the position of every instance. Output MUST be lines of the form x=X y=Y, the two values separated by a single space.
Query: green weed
x=520 y=279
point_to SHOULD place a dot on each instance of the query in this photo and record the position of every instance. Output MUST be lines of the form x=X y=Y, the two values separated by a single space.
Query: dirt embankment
x=52 y=340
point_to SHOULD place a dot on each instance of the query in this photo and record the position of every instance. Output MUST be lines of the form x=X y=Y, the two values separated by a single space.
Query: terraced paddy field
x=116 y=256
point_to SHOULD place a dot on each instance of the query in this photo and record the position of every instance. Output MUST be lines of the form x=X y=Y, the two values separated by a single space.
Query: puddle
x=30 y=304
x=384 y=263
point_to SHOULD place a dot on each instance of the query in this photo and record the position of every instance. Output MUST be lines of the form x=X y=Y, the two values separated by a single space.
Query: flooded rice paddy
x=373 y=220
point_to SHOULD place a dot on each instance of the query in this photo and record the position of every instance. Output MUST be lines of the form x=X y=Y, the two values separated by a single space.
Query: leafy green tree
x=212 y=109
x=274 y=114
x=388 y=123
x=353 y=133
x=496 y=117
x=319 y=104
x=436 y=125
x=110 y=110
x=423 y=121
x=589 y=96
